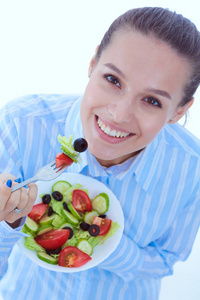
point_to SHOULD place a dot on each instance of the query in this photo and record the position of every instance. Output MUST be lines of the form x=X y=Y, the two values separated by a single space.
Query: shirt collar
x=144 y=166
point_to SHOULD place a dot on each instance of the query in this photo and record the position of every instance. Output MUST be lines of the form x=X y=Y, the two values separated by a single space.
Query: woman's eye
x=112 y=79
x=153 y=101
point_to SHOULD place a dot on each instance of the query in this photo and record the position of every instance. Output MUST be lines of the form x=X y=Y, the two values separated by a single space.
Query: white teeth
x=113 y=132
x=110 y=132
x=100 y=122
x=103 y=127
x=118 y=134
x=107 y=130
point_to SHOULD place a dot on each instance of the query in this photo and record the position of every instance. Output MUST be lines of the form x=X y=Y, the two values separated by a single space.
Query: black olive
x=80 y=145
x=65 y=206
x=50 y=211
x=84 y=226
x=94 y=230
x=53 y=251
x=70 y=232
x=102 y=216
x=57 y=196
x=46 y=199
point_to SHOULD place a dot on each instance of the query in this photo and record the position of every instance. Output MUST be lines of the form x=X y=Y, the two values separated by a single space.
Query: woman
x=142 y=80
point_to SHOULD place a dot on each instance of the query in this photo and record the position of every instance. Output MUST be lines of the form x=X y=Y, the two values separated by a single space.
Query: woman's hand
x=22 y=199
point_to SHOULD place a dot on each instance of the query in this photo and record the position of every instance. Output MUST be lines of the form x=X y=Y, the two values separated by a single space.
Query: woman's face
x=133 y=91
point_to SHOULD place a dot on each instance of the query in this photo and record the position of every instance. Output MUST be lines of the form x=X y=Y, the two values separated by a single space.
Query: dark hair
x=174 y=29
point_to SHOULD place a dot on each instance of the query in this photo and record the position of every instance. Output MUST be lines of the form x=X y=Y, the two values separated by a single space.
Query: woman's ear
x=92 y=62
x=181 y=111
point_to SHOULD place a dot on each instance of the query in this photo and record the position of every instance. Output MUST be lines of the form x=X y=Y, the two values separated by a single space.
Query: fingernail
x=18 y=180
x=9 y=183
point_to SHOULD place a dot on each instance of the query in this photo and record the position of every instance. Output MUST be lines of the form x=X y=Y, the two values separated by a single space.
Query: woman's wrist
x=15 y=224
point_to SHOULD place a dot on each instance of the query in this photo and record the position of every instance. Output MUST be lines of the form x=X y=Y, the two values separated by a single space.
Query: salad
x=70 y=153
x=67 y=225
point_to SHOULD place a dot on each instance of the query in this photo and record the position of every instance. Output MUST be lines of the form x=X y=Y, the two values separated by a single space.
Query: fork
x=46 y=173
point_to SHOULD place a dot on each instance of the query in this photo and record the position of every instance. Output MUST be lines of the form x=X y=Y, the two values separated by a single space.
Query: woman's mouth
x=111 y=131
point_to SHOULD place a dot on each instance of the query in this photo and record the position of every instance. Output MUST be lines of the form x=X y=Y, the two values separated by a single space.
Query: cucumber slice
x=89 y=216
x=47 y=220
x=84 y=246
x=61 y=186
x=31 y=225
x=66 y=225
x=47 y=258
x=74 y=211
x=101 y=203
x=66 y=150
x=70 y=218
x=44 y=229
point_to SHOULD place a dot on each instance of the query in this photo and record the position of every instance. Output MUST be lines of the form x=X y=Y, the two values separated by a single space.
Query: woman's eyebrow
x=159 y=92
x=151 y=90
x=115 y=69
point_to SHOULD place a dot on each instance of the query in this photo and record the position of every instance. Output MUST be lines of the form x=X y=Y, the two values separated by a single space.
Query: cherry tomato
x=81 y=201
x=72 y=257
x=37 y=212
x=104 y=224
x=53 y=239
x=62 y=159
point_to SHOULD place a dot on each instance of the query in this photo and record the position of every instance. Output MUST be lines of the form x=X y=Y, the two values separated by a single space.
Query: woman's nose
x=121 y=111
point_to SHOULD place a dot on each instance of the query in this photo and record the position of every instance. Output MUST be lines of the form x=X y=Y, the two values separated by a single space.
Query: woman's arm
x=11 y=164
x=8 y=238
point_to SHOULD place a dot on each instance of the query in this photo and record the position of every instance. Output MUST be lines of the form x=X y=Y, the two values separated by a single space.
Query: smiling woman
x=142 y=80
x=133 y=91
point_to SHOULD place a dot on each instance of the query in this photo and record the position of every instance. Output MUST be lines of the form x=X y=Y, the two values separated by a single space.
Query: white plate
x=100 y=252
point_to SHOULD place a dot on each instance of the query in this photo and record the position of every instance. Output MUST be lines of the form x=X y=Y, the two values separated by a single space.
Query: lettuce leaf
x=31 y=244
x=78 y=234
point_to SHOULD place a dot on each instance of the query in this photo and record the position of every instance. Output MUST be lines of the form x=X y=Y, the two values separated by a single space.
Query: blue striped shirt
x=159 y=191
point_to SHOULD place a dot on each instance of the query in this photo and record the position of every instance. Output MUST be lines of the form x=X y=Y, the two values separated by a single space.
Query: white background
x=46 y=46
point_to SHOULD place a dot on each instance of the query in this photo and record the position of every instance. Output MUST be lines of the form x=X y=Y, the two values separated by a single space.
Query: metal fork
x=46 y=173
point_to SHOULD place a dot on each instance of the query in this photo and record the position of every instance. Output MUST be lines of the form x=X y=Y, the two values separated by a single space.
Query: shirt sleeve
x=156 y=260
x=10 y=163
x=9 y=145
x=8 y=238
